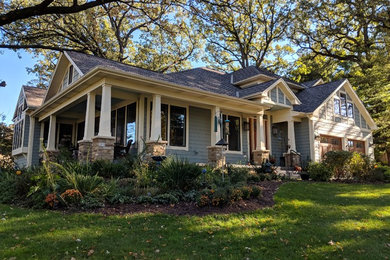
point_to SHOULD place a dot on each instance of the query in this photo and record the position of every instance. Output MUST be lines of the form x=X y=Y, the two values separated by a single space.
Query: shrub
x=107 y=169
x=145 y=174
x=319 y=171
x=84 y=183
x=175 y=174
x=90 y=201
x=246 y=192
x=145 y=199
x=337 y=161
x=190 y=195
x=237 y=174
x=380 y=173
x=71 y=197
x=256 y=192
x=359 y=166
x=166 y=198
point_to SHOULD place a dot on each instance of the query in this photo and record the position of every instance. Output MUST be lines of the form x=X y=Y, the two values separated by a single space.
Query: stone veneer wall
x=103 y=148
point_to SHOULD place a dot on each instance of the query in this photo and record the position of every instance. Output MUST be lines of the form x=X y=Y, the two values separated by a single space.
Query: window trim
x=226 y=113
x=170 y=103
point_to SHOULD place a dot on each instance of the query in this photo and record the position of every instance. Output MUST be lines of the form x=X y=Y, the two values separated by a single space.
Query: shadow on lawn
x=301 y=225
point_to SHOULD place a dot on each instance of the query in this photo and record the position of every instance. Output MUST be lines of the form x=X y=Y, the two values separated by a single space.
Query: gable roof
x=256 y=88
x=313 y=97
x=34 y=96
x=252 y=71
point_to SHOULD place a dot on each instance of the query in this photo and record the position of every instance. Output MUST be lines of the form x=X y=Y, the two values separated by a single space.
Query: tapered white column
x=155 y=134
x=291 y=135
x=30 y=141
x=260 y=135
x=105 y=113
x=141 y=123
x=215 y=125
x=89 y=129
x=51 y=140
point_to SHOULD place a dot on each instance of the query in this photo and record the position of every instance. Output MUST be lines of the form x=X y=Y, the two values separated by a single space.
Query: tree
x=350 y=39
x=6 y=133
x=149 y=34
x=243 y=33
x=14 y=11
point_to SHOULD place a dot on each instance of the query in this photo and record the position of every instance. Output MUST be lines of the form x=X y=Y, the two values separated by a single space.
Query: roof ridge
x=341 y=80
x=98 y=57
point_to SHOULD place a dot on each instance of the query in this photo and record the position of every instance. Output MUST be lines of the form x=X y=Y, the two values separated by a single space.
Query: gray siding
x=26 y=130
x=279 y=141
x=199 y=136
x=302 y=140
x=36 y=143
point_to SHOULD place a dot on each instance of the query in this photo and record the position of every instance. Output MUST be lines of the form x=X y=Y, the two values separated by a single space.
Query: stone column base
x=292 y=159
x=259 y=156
x=155 y=148
x=216 y=157
x=102 y=148
x=85 y=150
x=51 y=155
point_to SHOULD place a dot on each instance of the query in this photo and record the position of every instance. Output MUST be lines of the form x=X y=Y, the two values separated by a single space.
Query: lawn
x=309 y=220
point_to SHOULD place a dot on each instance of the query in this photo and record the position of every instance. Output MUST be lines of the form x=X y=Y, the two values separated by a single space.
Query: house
x=96 y=106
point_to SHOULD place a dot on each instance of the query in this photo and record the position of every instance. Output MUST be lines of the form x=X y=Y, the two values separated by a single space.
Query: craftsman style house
x=97 y=107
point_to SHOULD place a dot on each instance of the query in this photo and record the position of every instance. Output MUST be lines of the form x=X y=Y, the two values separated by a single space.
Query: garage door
x=356 y=146
x=329 y=143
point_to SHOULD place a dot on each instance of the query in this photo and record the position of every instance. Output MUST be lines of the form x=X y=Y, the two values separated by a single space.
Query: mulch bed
x=189 y=208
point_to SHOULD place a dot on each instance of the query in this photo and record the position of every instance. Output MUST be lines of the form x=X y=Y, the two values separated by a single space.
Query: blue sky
x=13 y=71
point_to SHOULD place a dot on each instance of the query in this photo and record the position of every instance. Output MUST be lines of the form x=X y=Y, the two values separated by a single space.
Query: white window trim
x=241 y=122
x=170 y=103
x=172 y=147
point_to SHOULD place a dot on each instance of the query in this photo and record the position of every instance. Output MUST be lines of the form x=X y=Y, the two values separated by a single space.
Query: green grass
x=306 y=217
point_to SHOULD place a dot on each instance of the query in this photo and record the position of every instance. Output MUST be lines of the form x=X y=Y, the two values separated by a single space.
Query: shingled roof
x=313 y=97
x=34 y=96
x=214 y=81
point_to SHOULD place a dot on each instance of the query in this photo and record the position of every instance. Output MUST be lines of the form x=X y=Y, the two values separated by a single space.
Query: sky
x=13 y=72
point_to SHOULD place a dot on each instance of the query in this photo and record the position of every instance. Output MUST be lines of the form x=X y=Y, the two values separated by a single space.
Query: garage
x=356 y=146
x=329 y=143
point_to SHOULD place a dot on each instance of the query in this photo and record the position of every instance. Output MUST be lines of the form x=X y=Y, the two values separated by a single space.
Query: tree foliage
x=152 y=34
x=6 y=133
x=351 y=39
x=243 y=33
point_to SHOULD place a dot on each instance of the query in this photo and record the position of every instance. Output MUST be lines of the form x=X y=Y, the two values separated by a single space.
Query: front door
x=329 y=143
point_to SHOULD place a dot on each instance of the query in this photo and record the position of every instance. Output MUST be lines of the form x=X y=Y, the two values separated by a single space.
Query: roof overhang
x=103 y=75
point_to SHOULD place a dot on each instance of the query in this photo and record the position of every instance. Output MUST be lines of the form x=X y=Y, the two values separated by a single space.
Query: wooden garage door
x=329 y=143
x=356 y=146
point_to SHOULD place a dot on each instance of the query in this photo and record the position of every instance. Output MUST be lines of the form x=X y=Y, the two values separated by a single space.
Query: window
x=337 y=106
x=350 y=143
x=350 y=109
x=343 y=101
x=177 y=129
x=18 y=135
x=120 y=125
x=70 y=74
x=130 y=123
x=173 y=124
x=233 y=137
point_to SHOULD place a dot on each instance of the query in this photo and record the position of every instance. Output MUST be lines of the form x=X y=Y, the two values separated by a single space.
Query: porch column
x=155 y=134
x=89 y=129
x=30 y=141
x=141 y=123
x=261 y=153
x=103 y=143
x=85 y=145
x=105 y=114
x=51 y=140
x=215 y=125
x=291 y=135
x=260 y=135
x=156 y=146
